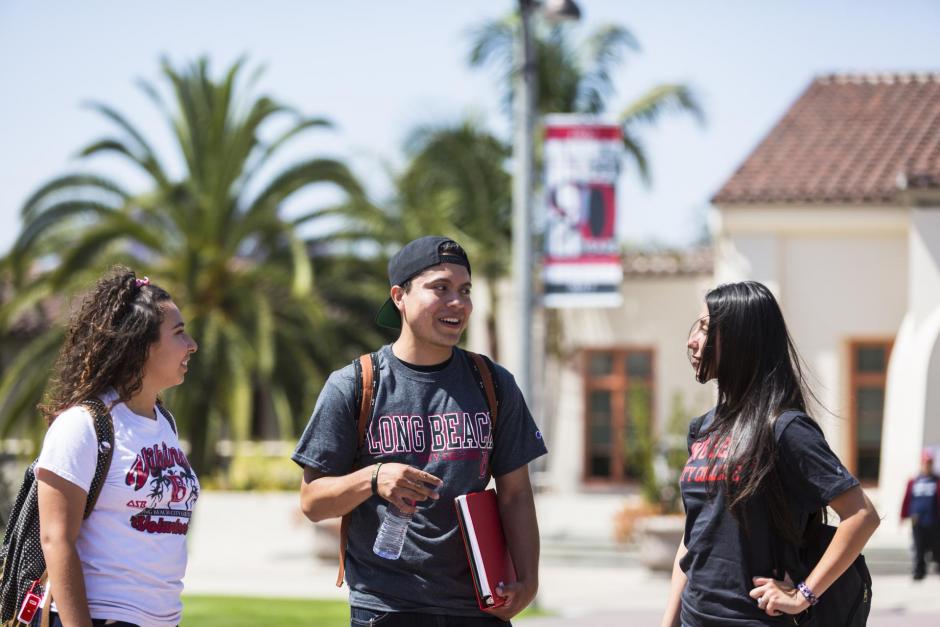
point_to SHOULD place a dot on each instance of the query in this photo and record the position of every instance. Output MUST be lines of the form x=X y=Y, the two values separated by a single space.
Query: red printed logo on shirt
x=706 y=463
x=171 y=480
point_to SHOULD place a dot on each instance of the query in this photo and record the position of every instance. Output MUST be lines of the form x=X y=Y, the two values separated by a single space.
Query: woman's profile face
x=168 y=358
x=698 y=337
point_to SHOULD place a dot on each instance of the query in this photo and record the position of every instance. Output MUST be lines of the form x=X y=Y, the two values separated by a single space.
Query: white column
x=912 y=402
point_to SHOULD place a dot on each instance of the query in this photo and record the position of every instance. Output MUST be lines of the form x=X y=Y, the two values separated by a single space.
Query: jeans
x=361 y=617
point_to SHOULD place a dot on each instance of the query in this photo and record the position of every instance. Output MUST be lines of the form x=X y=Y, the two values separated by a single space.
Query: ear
x=397 y=294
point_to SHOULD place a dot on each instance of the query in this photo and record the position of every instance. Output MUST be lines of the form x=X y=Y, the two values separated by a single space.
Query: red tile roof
x=847 y=139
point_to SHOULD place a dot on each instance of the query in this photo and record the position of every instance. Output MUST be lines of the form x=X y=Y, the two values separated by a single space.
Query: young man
x=922 y=506
x=429 y=440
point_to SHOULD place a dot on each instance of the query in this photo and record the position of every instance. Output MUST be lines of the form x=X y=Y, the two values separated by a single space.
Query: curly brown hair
x=107 y=342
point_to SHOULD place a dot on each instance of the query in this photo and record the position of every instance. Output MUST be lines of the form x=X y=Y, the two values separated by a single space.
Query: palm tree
x=215 y=236
x=576 y=77
x=456 y=182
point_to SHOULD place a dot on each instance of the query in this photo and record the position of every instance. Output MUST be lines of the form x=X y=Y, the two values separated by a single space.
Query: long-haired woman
x=124 y=564
x=759 y=471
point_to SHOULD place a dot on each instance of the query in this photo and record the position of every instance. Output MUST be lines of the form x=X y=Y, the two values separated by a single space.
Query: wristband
x=375 y=479
x=811 y=598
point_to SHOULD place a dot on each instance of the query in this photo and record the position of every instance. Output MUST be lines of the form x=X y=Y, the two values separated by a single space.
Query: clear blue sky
x=377 y=69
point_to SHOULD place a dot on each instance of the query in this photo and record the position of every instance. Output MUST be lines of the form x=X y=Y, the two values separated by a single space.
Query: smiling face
x=435 y=309
x=168 y=358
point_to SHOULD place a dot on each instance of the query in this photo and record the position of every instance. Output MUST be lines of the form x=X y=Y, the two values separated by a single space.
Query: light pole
x=523 y=173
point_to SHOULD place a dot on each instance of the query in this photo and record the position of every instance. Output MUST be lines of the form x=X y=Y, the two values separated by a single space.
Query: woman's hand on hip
x=777 y=597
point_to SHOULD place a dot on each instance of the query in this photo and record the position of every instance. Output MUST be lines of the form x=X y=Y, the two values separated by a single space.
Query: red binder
x=482 y=530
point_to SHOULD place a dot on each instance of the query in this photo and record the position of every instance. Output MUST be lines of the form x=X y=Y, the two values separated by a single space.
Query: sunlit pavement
x=585 y=596
x=260 y=545
x=647 y=619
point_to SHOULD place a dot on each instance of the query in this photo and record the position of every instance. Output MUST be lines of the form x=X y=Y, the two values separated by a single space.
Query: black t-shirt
x=722 y=558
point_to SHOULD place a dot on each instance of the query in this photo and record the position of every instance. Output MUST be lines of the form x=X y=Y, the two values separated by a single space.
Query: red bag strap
x=366 y=367
x=484 y=374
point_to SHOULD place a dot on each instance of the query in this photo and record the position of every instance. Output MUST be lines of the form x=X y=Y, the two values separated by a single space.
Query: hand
x=518 y=596
x=402 y=485
x=777 y=597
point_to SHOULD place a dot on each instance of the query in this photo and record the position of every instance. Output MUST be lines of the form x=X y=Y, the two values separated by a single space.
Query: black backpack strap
x=104 y=431
x=23 y=562
x=168 y=415
x=695 y=427
x=357 y=386
x=784 y=420
x=778 y=543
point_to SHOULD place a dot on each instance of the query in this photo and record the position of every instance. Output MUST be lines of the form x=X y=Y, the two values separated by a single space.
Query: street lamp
x=561 y=10
x=523 y=174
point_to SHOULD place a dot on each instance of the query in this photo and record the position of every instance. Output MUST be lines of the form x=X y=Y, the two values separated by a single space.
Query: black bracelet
x=375 y=479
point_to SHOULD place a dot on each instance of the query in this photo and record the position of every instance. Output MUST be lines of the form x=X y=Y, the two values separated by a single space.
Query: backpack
x=23 y=581
x=847 y=602
x=367 y=384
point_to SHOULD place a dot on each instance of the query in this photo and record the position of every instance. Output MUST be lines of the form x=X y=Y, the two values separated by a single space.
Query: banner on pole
x=581 y=261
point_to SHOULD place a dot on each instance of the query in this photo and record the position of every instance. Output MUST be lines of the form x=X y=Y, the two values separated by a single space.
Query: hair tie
x=141 y=282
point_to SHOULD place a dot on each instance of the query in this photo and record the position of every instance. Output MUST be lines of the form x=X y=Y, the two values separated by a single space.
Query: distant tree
x=577 y=77
x=456 y=183
x=216 y=237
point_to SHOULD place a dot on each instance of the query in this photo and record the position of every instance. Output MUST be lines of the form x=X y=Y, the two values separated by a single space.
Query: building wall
x=657 y=313
x=835 y=290
x=840 y=274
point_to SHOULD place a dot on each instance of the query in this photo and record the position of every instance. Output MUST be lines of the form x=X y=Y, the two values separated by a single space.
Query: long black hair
x=749 y=350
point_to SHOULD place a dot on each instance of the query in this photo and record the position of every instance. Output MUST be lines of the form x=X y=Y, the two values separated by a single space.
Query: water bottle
x=391 y=536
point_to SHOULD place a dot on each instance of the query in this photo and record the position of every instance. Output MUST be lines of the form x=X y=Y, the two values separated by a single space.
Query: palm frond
x=84 y=184
x=144 y=154
x=24 y=379
x=671 y=98
x=239 y=270
x=637 y=154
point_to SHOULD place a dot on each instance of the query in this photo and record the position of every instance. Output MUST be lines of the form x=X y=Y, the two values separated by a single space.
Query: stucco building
x=837 y=210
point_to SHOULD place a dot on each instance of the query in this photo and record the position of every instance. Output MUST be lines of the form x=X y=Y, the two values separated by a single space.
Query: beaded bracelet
x=811 y=598
x=375 y=479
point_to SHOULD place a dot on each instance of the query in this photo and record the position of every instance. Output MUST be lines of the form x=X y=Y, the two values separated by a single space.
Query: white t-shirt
x=133 y=546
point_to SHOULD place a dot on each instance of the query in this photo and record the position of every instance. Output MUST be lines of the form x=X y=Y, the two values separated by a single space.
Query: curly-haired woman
x=124 y=564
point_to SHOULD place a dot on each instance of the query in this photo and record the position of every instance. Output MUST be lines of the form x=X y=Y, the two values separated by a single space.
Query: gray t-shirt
x=438 y=422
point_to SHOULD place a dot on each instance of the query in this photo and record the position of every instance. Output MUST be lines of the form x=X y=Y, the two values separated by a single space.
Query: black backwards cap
x=414 y=257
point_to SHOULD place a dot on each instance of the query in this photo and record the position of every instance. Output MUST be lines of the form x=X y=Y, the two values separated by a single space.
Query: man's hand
x=518 y=596
x=403 y=485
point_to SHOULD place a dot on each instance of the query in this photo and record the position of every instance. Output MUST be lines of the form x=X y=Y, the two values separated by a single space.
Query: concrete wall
x=657 y=313
x=840 y=274
x=834 y=290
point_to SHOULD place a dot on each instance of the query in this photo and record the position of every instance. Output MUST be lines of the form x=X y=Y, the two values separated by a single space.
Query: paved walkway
x=647 y=619
x=264 y=547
